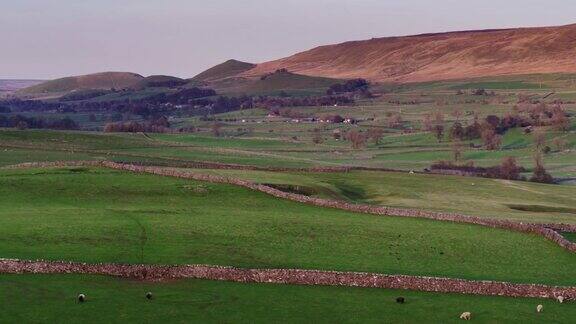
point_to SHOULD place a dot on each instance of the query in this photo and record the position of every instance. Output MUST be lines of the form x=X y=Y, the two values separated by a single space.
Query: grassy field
x=101 y=215
x=51 y=299
x=474 y=196
x=119 y=217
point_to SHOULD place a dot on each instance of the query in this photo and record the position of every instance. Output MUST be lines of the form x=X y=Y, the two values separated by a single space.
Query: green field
x=472 y=196
x=127 y=218
x=51 y=299
x=97 y=215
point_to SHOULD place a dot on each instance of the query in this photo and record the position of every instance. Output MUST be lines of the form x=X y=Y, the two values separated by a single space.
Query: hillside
x=14 y=85
x=224 y=70
x=274 y=83
x=443 y=56
x=104 y=80
x=159 y=81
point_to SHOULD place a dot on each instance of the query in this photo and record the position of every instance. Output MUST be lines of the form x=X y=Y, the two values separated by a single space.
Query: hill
x=224 y=70
x=14 y=85
x=274 y=83
x=160 y=81
x=104 y=80
x=442 y=56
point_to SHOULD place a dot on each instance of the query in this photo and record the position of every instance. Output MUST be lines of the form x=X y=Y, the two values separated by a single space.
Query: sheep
x=560 y=299
x=466 y=316
x=539 y=308
x=149 y=295
x=400 y=300
x=81 y=298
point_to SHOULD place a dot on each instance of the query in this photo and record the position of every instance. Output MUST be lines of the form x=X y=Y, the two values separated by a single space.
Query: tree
x=317 y=137
x=457 y=148
x=395 y=120
x=357 y=139
x=492 y=141
x=438 y=125
x=540 y=174
x=539 y=139
x=456 y=131
x=438 y=131
x=427 y=123
x=375 y=134
x=559 y=120
x=216 y=129
x=509 y=169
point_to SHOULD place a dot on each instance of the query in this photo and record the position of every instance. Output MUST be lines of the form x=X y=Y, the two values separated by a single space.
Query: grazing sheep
x=400 y=300
x=149 y=295
x=560 y=299
x=466 y=316
x=539 y=308
x=81 y=298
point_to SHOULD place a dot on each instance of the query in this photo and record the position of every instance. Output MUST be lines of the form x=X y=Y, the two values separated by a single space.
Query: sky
x=46 y=39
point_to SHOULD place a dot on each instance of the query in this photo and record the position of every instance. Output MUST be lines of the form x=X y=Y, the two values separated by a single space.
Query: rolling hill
x=230 y=68
x=14 y=85
x=104 y=81
x=160 y=81
x=273 y=84
x=442 y=56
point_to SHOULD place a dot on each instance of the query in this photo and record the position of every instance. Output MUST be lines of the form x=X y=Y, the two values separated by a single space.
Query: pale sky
x=44 y=39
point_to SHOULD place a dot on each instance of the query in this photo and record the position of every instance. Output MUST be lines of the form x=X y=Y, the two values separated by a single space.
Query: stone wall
x=307 y=277
x=292 y=276
x=547 y=232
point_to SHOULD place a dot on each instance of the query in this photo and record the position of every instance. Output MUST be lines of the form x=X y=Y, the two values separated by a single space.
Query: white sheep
x=560 y=299
x=539 y=308
x=466 y=316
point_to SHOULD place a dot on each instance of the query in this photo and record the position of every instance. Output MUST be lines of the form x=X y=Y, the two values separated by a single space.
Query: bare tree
x=457 y=149
x=216 y=129
x=357 y=139
x=375 y=134
x=540 y=174
x=509 y=168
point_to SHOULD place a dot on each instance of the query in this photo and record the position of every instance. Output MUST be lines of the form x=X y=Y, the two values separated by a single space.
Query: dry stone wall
x=306 y=277
x=549 y=231
x=291 y=276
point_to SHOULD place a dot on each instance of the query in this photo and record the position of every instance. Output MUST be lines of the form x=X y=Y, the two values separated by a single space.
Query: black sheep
x=149 y=295
x=81 y=298
x=400 y=300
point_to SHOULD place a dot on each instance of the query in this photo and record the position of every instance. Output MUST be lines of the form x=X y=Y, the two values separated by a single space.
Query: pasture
x=60 y=214
x=93 y=215
x=51 y=298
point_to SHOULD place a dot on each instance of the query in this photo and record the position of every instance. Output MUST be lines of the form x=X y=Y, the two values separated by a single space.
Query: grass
x=473 y=196
x=288 y=144
x=120 y=217
x=51 y=299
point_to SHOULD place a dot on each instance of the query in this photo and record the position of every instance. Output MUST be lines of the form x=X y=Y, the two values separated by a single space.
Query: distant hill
x=14 y=85
x=273 y=84
x=104 y=81
x=160 y=81
x=442 y=56
x=230 y=68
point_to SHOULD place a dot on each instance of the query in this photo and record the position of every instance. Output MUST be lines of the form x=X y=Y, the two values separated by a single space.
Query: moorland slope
x=442 y=56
